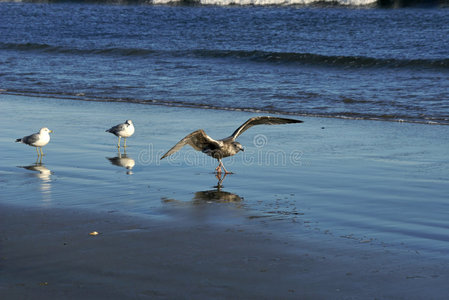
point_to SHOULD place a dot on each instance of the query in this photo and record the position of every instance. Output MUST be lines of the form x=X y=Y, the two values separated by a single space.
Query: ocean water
x=347 y=61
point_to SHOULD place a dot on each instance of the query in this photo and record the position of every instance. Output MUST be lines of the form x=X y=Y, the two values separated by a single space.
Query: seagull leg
x=226 y=171
x=125 y=143
x=218 y=169
x=221 y=165
x=118 y=144
x=37 y=150
x=42 y=153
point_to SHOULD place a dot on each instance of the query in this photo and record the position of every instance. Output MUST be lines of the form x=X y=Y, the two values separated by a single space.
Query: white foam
x=272 y=2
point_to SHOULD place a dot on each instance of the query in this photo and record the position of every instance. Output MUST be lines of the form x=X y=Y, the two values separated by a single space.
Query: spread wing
x=31 y=139
x=199 y=141
x=265 y=120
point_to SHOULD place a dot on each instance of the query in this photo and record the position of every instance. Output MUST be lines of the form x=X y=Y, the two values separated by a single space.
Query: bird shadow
x=123 y=160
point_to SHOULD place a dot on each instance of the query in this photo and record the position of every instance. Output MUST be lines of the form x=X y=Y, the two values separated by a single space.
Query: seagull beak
x=50 y=131
x=243 y=149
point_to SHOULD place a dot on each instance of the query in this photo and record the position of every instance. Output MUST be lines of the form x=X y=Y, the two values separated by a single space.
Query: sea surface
x=351 y=60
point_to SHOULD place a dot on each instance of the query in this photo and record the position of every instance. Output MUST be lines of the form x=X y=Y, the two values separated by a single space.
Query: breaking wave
x=342 y=3
x=228 y=2
x=318 y=3
x=288 y=58
x=269 y=2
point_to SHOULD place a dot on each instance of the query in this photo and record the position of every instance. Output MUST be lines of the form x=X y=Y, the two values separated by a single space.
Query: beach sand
x=50 y=254
x=318 y=225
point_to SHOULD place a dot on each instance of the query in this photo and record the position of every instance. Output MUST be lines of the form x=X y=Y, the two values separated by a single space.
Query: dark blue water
x=389 y=64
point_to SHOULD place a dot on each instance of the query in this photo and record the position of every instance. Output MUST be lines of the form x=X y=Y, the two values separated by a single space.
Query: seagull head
x=237 y=147
x=129 y=122
x=46 y=130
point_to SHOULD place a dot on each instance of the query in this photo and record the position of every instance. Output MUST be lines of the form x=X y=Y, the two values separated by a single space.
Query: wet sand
x=50 y=254
x=321 y=227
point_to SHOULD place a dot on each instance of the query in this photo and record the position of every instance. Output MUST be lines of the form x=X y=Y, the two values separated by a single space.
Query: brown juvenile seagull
x=219 y=149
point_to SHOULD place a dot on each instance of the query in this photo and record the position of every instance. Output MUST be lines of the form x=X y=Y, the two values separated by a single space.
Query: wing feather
x=31 y=139
x=199 y=141
x=117 y=128
x=264 y=120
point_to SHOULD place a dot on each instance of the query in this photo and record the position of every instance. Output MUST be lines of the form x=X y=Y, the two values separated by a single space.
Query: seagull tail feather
x=18 y=140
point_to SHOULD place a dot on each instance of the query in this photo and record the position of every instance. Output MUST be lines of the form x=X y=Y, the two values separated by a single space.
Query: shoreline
x=178 y=104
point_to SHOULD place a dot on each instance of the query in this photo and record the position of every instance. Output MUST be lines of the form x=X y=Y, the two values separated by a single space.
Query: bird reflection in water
x=211 y=196
x=216 y=195
x=44 y=174
x=124 y=161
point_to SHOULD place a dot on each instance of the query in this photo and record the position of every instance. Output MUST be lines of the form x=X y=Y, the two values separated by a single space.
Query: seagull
x=124 y=130
x=219 y=149
x=37 y=140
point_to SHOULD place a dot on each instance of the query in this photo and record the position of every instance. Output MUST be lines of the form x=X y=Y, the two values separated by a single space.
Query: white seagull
x=124 y=130
x=219 y=149
x=37 y=140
